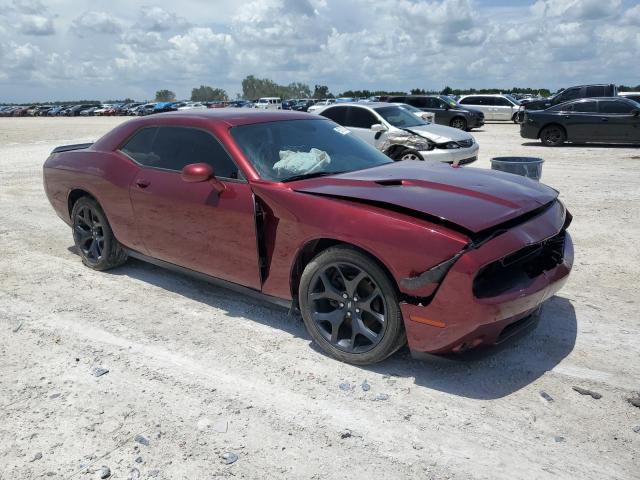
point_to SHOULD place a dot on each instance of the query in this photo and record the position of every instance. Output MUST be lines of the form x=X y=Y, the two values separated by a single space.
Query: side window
x=570 y=94
x=584 y=107
x=615 y=107
x=360 y=118
x=139 y=147
x=175 y=147
x=337 y=114
x=397 y=100
x=501 y=101
x=471 y=101
x=418 y=102
x=596 y=91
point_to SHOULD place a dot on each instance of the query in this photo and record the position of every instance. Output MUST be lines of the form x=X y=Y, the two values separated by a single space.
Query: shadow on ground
x=486 y=374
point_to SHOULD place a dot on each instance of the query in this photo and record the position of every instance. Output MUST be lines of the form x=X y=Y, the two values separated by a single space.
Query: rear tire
x=93 y=236
x=350 y=307
x=553 y=136
x=459 y=123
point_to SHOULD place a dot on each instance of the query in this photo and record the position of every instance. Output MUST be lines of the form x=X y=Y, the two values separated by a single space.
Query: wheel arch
x=76 y=194
x=316 y=246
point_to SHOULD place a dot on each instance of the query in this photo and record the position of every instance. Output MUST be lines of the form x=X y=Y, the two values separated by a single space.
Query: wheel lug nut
x=348 y=314
x=344 y=295
x=341 y=305
x=357 y=310
x=355 y=299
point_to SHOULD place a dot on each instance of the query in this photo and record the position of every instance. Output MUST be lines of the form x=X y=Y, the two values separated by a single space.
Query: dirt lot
x=199 y=371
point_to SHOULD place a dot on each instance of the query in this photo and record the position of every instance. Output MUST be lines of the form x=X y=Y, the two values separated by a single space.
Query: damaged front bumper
x=487 y=294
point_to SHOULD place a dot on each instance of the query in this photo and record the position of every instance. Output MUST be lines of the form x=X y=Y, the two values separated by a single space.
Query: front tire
x=408 y=154
x=553 y=136
x=93 y=236
x=350 y=306
x=459 y=123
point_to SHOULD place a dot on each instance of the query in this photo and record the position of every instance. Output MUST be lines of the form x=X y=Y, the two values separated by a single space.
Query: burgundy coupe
x=293 y=208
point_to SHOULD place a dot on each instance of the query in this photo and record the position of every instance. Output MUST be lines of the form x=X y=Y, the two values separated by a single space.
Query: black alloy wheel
x=88 y=232
x=350 y=307
x=552 y=136
x=459 y=123
x=93 y=237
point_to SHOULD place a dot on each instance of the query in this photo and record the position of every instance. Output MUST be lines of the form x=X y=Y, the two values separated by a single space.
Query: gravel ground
x=196 y=372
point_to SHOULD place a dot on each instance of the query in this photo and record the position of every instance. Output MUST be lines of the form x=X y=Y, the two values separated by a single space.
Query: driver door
x=359 y=120
x=191 y=224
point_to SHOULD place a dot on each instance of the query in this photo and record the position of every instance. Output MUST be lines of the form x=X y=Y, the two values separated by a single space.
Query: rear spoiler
x=68 y=148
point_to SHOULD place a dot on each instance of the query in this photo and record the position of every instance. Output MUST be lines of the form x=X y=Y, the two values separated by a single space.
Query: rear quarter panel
x=104 y=175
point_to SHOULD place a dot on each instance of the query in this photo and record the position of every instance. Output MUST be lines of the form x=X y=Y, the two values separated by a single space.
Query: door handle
x=604 y=119
x=142 y=183
x=567 y=116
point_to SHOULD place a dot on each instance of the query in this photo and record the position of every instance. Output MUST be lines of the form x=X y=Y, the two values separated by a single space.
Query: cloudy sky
x=99 y=49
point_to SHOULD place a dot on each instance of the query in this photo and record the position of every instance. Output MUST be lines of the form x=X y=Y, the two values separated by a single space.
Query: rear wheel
x=514 y=118
x=553 y=135
x=458 y=122
x=93 y=237
x=350 y=306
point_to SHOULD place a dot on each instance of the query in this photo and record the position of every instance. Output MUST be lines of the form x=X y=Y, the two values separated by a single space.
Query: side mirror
x=201 y=172
x=196 y=172
x=635 y=112
x=378 y=127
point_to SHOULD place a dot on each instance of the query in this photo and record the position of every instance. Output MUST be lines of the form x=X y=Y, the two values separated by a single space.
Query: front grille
x=465 y=143
x=518 y=269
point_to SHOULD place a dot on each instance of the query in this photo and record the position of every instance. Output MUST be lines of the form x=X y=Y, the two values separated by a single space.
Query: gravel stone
x=104 y=472
x=229 y=457
x=99 y=371
x=584 y=391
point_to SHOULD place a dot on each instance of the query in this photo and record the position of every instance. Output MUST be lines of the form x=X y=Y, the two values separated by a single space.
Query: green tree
x=165 y=96
x=418 y=91
x=205 y=93
x=321 y=91
x=447 y=91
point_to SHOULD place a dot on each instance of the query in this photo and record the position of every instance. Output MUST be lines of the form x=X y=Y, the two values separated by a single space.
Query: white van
x=269 y=103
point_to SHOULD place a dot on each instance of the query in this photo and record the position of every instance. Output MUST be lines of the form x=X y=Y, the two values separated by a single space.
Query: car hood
x=471 y=199
x=440 y=133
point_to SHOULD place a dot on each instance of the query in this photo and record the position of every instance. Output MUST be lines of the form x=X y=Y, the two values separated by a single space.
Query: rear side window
x=360 y=118
x=418 y=102
x=398 y=100
x=475 y=101
x=337 y=114
x=596 y=91
x=585 y=107
x=570 y=94
x=615 y=106
x=172 y=148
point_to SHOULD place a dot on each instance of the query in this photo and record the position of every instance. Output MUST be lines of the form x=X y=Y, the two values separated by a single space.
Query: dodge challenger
x=295 y=209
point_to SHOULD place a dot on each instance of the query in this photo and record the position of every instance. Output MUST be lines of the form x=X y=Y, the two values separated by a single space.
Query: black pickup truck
x=571 y=93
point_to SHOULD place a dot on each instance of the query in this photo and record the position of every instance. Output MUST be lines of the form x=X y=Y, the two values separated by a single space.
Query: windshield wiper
x=310 y=175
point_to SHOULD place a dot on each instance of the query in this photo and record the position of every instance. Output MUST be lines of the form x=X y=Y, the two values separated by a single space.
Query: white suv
x=269 y=103
x=401 y=135
x=494 y=107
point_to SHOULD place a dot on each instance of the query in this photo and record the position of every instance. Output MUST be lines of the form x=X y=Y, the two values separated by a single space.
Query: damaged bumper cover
x=485 y=292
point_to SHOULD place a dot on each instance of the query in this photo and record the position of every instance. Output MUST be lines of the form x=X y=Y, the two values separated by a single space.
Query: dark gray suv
x=446 y=109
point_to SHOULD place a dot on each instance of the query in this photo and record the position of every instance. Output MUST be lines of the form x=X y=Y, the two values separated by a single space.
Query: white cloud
x=396 y=44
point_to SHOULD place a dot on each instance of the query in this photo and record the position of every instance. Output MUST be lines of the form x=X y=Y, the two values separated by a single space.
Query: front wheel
x=350 y=306
x=93 y=237
x=553 y=136
x=408 y=154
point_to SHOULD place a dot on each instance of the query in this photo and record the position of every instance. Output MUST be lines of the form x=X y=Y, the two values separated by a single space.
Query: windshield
x=282 y=150
x=513 y=99
x=399 y=117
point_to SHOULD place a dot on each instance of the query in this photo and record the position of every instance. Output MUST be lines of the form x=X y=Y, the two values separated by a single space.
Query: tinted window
x=419 y=102
x=615 y=106
x=397 y=99
x=173 y=148
x=337 y=114
x=502 y=102
x=595 y=91
x=399 y=117
x=471 y=101
x=360 y=118
x=570 y=94
x=139 y=146
x=584 y=107
x=635 y=98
